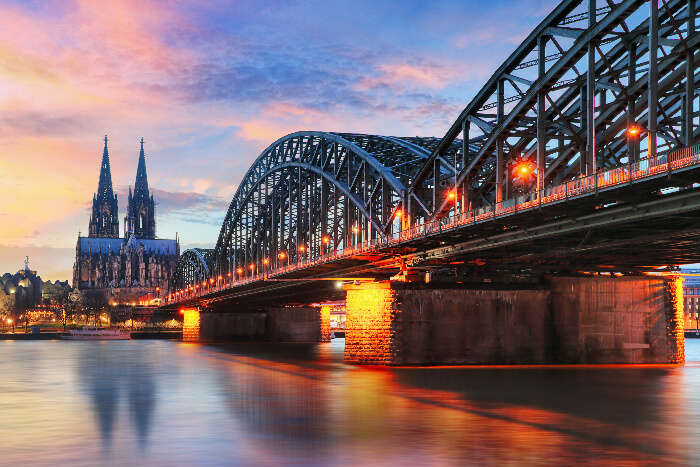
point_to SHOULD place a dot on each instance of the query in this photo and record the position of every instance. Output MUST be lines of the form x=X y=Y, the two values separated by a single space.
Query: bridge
x=571 y=177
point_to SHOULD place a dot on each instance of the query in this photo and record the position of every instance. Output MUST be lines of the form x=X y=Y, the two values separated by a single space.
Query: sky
x=209 y=84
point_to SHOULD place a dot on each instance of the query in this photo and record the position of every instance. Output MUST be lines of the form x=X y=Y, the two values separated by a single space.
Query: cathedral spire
x=141 y=185
x=104 y=220
x=140 y=219
x=104 y=186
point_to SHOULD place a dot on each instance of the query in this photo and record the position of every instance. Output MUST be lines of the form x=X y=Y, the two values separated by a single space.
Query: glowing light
x=523 y=169
x=398 y=214
x=339 y=284
x=634 y=130
x=355 y=229
x=302 y=248
x=220 y=277
x=229 y=274
x=211 y=281
x=451 y=194
x=282 y=255
x=251 y=266
x=9 y=321
x=325 y=239
x=190 y=325
x=266 y=261
x=239 y=270
x=204 y=283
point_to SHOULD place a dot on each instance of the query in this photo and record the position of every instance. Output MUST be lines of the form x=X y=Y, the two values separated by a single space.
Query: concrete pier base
x=298 y=324
x=278 y=324
x=597 y=319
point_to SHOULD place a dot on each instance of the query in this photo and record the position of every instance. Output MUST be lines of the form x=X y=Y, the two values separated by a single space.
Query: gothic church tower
x=140 y=217
x=104 y=221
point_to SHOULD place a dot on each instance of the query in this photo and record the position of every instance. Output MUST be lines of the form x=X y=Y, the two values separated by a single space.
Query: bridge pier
x=577 y=320
x=279 y=324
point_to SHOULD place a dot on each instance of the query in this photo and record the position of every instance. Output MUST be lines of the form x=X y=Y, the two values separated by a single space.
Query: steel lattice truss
x=564 y=100
x=192 y=268
x=310 y=193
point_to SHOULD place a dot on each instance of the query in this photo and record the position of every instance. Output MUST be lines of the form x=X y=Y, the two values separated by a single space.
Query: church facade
x=124 y=268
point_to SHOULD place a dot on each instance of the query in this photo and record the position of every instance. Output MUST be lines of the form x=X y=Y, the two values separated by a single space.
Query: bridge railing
x=624 y=174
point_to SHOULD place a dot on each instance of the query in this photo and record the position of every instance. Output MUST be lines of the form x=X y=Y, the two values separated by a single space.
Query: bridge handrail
x=627 y=173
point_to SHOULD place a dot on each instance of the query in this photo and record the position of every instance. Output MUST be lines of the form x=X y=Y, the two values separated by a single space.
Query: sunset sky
x=209 y=84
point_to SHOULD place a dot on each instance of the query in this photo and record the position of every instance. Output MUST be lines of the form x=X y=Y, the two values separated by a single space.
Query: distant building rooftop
x=112 y=245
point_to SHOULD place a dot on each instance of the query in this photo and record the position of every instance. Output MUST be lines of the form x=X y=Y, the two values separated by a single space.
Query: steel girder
x=193 y=267
x=311 y=193
x=565 y=98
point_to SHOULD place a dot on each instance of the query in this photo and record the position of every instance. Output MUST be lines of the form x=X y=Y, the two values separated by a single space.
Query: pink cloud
x=403 y=75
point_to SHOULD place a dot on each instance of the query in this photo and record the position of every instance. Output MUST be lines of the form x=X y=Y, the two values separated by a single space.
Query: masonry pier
x=277 y=324
x=574 y=320
x=563 y=320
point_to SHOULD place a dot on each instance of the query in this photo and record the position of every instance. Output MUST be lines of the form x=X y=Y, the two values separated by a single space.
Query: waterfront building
x=20 y=290
x=123 y=268
x=691 y=298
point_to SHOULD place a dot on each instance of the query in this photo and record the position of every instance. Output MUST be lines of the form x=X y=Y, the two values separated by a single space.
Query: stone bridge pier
x=575 y=320
x=277 y=324
x=564 y=320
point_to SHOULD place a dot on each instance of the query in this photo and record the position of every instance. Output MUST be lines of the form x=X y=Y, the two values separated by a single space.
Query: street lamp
x=355 y=230
x=302 y=249
x=283 y=255
x=633 y=134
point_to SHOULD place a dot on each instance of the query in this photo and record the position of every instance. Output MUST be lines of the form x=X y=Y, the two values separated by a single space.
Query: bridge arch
x=311 y=192
x=193 y=266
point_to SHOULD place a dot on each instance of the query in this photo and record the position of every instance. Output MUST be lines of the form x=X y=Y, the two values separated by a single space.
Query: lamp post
x=633 y=133
x=266 y=263
x=302 y=249
x=282 y=255
x=325 y=243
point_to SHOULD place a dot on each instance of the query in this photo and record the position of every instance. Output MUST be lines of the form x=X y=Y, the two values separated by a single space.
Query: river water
x=171 y=403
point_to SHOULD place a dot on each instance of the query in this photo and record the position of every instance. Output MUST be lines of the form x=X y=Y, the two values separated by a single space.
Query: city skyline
x=208 y=90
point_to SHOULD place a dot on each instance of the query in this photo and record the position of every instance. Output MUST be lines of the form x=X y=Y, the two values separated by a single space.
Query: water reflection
x=167 y=403
x=106 y=370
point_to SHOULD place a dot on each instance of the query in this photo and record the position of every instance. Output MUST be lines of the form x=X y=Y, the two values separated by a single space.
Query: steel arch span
x=193 y=267
x=565 y=99
x=310 y=193
x=590 y=89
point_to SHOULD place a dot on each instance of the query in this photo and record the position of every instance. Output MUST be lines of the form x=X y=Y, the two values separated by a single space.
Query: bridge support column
x=569 y=320
x=299 y=324
x=190 y=325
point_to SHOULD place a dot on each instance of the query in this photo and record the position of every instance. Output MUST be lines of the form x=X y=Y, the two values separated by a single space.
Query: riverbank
x=21 y=336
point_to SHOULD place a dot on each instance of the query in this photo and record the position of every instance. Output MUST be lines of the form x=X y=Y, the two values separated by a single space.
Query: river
x=172 y=403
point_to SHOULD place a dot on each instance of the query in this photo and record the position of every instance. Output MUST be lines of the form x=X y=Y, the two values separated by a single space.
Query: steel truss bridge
x=579 y=152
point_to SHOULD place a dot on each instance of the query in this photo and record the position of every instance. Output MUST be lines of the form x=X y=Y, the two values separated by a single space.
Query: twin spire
x=104 y=187
x=140 y=219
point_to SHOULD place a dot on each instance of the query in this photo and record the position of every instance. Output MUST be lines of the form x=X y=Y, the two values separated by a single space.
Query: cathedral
x=124 y=268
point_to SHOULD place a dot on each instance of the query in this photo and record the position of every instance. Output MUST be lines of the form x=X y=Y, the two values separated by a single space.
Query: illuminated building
x=123 y=268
